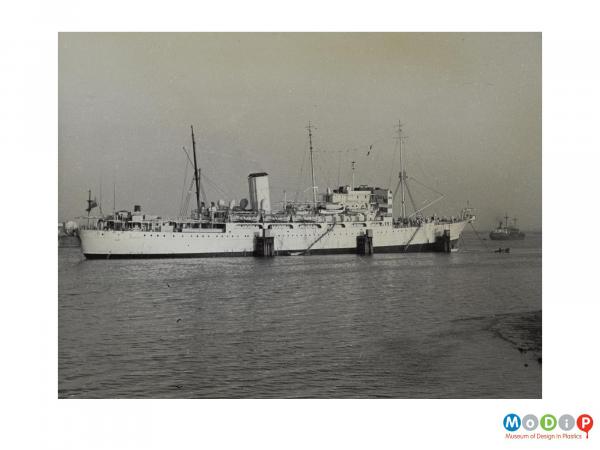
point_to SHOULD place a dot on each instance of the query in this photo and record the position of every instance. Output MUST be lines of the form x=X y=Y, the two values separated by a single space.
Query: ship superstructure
x=347 y=219
x=506 y=231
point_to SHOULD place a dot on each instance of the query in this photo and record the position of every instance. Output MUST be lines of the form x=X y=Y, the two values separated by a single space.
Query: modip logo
x=549 y=426
x=585 y=423
x=512 y=422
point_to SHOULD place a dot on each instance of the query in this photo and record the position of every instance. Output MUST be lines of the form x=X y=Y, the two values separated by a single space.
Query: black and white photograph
x=299 y=225
x=299 y=215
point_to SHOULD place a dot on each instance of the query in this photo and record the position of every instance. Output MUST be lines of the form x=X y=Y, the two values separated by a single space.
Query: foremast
x=196 y=173
x=402 y=174
x=312 y=166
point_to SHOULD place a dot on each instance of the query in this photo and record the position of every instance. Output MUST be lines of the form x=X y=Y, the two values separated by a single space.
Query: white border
x=28 y=71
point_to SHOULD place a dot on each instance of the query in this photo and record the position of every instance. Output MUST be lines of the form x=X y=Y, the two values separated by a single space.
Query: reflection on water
x=393 y=325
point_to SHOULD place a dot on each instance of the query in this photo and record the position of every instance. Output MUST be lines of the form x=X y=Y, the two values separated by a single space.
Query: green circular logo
x=548 y=422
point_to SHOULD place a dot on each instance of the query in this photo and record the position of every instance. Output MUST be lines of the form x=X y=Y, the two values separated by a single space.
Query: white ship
x=349 y=219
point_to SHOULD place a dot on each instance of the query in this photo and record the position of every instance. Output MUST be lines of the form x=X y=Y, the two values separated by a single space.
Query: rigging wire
x=183 y=188
x=339 y=167
x=325 y=168
x=202 y=192
x=186 y=205
x=422 y=164
x=211 y=167
x=300 y=181
x=392 y=167
x=480 y=240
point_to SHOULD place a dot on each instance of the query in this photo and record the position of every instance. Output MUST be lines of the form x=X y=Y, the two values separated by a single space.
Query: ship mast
x=89 y=208
x=402 y=173
x=312 y=167
x=197 y=181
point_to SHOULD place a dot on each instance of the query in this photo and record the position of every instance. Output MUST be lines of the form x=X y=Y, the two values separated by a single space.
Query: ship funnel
x=260 y=197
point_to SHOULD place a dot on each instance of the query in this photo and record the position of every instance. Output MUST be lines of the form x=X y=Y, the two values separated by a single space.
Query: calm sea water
x=395 y=325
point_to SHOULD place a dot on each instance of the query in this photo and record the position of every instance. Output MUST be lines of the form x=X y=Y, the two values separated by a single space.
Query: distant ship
x=505 y=232
x=347 y=219
x=67 y=234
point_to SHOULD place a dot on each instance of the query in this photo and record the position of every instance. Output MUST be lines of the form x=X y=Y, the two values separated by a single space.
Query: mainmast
x=402 y=173
x=312 y=167
x=197 y=181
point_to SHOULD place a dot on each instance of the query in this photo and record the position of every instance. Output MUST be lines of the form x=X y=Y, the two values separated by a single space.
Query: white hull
x=238 y=239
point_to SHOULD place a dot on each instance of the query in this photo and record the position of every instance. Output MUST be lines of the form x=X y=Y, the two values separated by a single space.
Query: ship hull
x=289 y=239
x=507 y=237
x=411 y=248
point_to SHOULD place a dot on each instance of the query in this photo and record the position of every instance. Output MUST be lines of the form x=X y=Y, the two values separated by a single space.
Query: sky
x=470 y=106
